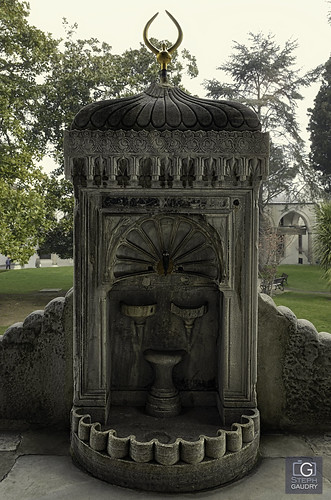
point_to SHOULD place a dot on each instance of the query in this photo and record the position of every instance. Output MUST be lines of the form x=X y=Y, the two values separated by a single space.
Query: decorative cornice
x=157 y=159
x=175 y=143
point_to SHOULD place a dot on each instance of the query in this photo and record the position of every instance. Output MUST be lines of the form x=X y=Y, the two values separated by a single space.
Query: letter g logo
x=307 y=469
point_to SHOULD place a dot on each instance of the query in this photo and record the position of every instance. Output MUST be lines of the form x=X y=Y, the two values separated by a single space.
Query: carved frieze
x=165 y=159
x=167 y=203
x=113 y=142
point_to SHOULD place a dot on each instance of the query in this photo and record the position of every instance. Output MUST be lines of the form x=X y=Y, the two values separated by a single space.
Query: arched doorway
x=296 y=244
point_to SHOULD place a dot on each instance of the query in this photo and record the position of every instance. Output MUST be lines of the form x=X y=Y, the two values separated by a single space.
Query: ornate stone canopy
x=164 y=107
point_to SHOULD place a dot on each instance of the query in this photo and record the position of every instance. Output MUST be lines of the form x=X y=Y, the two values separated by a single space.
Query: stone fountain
x=165 y=294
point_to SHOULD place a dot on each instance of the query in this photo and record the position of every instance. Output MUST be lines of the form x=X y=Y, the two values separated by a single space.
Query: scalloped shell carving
x=166 y=245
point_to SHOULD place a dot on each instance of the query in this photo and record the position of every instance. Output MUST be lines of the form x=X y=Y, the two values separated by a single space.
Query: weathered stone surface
x=14 y=334
x=7 y=460
x=36 y=366
x=320 y=444
x=33 y=322
x=51 y=477
x=164 y=107
x=44 y=442
x=294 y=377
x=53 y=315
x=173 y=160
x=9 y=441
x=307 y=352
x=285 y=445
x=157 y=275
x=25 y=332
x=181 y=477
x=16 y=425
x=307 y=376
x=272 y=340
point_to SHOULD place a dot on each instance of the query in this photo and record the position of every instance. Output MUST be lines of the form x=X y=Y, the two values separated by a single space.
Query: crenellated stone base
x=180 y=466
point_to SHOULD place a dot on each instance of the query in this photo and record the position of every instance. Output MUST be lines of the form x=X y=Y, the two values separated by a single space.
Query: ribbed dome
x=163 y=107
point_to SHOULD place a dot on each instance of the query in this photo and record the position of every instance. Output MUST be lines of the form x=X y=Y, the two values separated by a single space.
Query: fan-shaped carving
x=166 y=245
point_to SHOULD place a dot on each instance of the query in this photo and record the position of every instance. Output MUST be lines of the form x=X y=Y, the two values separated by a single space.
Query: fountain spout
x=163 y=398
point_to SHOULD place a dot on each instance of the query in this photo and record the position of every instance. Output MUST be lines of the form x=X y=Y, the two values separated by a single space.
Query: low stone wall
x=294 y=376
x=36 y=366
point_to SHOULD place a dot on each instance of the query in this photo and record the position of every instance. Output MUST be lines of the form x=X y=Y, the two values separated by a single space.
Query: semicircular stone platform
x=181 y=465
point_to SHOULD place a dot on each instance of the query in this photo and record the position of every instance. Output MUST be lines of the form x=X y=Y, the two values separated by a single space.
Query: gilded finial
x=163 y=56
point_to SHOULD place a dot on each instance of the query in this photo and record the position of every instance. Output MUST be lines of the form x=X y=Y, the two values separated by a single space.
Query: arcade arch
x=295 y=224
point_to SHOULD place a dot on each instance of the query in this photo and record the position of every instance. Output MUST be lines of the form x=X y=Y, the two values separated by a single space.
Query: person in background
x=8 y=263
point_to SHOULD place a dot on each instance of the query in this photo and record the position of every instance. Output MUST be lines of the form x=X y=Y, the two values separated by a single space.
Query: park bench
x=279 y=282
x=284 y=275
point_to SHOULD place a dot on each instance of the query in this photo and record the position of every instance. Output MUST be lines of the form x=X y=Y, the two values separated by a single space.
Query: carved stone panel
x=166 y=245
x=165 y=160
x=163 y=331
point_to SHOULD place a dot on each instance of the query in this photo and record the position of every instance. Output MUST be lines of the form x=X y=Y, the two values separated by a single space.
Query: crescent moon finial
x=145 y=35
x=180 y=34
x=163 y=56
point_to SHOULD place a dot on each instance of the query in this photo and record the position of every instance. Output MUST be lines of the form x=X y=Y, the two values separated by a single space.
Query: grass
x=304 y=278
x=20 y=291
x=315 y=308
x=33 y=280
x=307 y=295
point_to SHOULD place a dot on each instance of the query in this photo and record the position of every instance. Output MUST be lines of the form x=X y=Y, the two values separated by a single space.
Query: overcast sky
x=209 y=28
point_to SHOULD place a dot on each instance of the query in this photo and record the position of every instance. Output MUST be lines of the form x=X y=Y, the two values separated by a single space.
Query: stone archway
x=295 y=223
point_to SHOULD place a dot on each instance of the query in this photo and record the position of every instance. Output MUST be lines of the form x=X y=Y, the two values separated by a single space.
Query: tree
x=136 y=69
x=320 y=129
x=263 y=76
x=59 y=239
x=82 y=72
x=25 y=55
x=323 y=238
x=23 y=214
x=60 y=206
x=270 y=254
x=43 y=84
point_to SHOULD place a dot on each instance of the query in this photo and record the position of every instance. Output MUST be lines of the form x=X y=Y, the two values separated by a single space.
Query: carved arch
x=167 y=244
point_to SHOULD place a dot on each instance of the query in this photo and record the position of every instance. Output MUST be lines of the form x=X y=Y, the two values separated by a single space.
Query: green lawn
x=306 y=295
x=32 y=280
x=20 y=291
x=304 y=277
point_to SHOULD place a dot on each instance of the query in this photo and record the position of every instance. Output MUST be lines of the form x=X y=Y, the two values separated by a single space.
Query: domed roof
x=163 y=107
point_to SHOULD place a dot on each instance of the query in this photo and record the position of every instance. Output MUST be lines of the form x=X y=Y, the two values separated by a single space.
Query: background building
x=295 y=223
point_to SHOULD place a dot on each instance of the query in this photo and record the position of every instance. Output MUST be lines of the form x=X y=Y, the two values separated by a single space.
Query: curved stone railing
x=294 y=376
x=181 y=450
